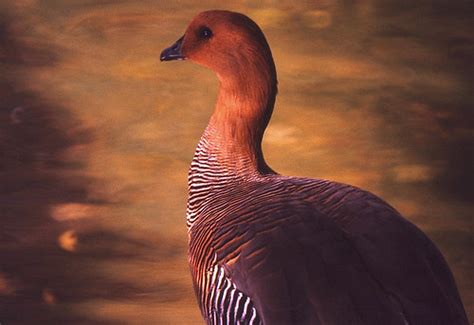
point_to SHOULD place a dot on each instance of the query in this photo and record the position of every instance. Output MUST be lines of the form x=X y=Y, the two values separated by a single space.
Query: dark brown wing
x=303 y=265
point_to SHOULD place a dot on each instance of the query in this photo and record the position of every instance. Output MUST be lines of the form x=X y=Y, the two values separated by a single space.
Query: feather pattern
x=271 y=249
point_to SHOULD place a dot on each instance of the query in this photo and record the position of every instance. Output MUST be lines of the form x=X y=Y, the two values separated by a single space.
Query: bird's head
x=229 y=43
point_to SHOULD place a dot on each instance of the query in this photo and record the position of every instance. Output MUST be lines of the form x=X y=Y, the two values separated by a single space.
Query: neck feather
x=243 y=110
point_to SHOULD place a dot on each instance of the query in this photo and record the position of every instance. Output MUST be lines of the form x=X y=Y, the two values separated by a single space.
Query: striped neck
x=230 y=148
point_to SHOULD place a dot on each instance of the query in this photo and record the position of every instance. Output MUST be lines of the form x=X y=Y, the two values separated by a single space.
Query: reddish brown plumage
x=299 y=251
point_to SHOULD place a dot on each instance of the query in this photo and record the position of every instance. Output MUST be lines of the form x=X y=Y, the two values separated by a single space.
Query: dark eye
x=205 y=33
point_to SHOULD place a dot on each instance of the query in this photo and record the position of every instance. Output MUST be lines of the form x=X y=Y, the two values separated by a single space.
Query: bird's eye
x=205 y=33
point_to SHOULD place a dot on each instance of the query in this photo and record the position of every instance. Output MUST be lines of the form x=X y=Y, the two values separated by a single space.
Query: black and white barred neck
x=209 y=174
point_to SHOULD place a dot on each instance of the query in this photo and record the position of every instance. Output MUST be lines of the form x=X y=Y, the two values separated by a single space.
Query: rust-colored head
x=234 y=47
x=229 y=43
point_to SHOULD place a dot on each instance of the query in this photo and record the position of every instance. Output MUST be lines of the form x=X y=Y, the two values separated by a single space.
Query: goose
x=270 y=249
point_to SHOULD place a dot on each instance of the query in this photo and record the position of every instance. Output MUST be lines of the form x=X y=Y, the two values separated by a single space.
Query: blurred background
x=96 y=136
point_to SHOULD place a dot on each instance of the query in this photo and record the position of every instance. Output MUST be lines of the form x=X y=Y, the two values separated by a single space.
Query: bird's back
x=305 y=251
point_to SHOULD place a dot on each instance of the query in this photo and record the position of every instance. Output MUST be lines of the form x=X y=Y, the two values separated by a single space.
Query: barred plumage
x=270 y=249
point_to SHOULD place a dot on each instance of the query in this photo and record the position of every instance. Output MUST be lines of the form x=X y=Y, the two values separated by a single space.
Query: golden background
x=96 y=136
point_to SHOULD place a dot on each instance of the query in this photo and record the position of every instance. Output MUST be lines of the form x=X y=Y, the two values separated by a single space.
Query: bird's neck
x=234 y=135
x=230 y=148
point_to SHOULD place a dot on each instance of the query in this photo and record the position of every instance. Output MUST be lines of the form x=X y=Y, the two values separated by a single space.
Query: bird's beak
x=173 y=52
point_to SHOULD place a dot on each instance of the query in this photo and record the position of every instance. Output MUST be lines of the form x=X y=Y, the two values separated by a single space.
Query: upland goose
x=270 y=249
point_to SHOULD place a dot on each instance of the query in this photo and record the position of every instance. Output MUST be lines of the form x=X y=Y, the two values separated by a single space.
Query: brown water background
x=96 y=136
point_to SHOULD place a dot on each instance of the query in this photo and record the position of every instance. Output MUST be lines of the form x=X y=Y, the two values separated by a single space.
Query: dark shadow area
x=434 y=123
x=430 y=114
x=38 y=279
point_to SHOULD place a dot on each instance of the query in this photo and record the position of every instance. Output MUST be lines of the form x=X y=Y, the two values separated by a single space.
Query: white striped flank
x=227 y=305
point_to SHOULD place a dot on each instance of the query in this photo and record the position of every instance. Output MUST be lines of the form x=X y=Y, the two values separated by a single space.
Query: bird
x=265 y=248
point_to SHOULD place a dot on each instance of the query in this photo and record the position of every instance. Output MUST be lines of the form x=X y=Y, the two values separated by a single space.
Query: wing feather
x=359 y=264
